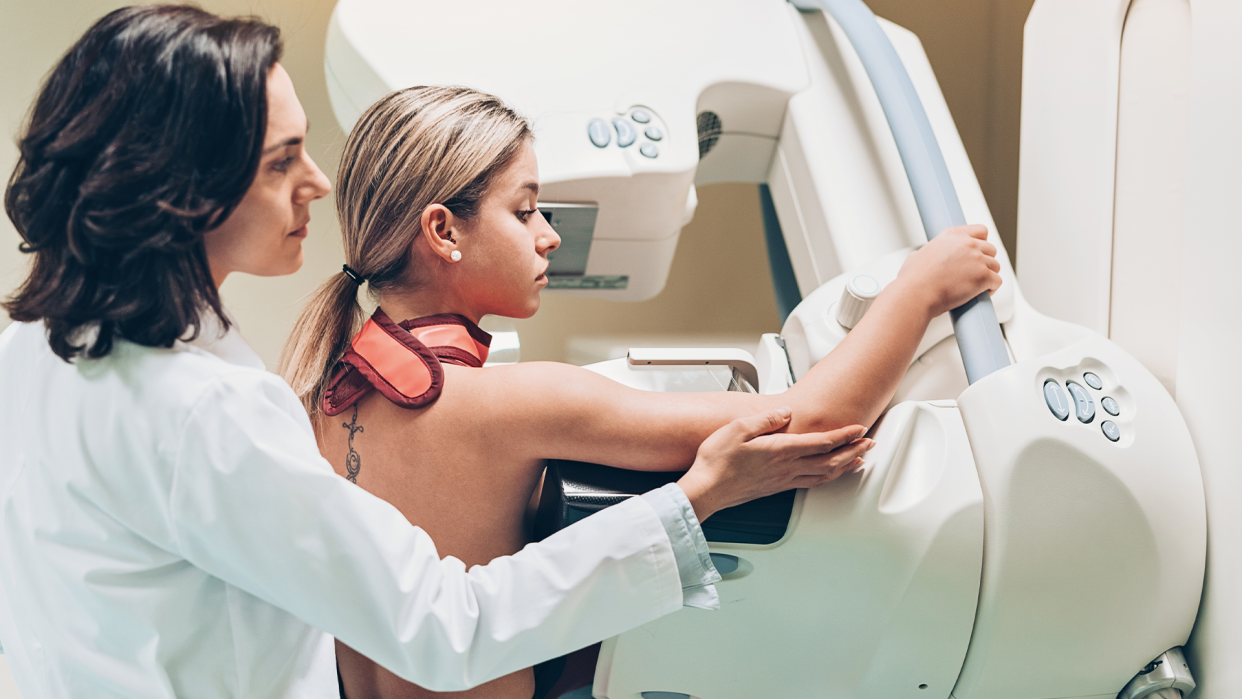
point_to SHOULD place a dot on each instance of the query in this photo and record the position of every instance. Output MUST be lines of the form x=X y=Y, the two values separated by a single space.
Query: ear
x=439 y=228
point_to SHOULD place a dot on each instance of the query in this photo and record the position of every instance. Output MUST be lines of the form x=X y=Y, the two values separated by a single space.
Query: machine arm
x=974 y=323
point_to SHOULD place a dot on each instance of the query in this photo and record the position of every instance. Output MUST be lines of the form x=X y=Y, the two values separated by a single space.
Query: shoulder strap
x=389 y=359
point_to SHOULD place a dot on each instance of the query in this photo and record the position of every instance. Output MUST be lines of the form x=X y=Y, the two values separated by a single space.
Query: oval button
x=1093 y=381
x=626 y=134
x=654 y=133
x=1110 y=406
x=1056 y=400
x=640 y=115
x=1110 y=430
x=598 y=132
x=1084 y=407
x=649 y=150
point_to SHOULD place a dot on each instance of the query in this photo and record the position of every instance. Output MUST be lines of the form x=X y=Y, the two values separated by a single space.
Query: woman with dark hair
x=167 y=525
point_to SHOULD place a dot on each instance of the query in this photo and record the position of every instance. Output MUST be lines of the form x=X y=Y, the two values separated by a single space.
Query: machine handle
x=974 y=323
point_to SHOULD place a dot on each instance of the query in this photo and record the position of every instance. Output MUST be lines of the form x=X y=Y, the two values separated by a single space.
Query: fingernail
x=784 y=413
x=871 y=444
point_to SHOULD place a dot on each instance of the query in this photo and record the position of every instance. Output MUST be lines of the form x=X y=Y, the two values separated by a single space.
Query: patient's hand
x=744 y=460
x=956 y=266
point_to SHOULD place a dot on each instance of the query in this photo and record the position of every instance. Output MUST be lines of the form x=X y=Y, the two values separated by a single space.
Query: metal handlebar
x=974 y=323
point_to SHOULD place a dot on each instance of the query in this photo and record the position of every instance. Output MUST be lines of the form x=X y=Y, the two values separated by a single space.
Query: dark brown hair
x=145 y=136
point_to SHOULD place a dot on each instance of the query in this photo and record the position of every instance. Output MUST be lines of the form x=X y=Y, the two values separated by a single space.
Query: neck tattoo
x=353 y=462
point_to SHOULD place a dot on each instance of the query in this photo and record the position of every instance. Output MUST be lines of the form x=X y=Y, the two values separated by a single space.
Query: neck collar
x=403 y=360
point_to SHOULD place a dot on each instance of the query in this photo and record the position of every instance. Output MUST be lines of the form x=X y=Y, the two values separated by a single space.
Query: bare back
x=448 y=472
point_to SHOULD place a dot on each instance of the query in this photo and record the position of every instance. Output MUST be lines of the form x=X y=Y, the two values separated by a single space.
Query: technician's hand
x=956 y=266
x=743 y=460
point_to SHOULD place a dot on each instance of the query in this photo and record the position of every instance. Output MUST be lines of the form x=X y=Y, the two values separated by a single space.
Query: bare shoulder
x=542 y=388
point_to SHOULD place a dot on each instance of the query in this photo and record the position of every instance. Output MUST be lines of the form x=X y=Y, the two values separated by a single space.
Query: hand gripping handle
x=974 y=323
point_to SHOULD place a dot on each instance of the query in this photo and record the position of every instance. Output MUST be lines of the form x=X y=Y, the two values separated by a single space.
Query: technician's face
x=505 y=249
x=264 y=235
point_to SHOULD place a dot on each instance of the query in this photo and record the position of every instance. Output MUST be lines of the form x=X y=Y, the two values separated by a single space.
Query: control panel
x=1076 y=394
x=638 y=128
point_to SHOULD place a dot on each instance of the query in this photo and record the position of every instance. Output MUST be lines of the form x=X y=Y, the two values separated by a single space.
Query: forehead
x=285 y=116
x=524 y=170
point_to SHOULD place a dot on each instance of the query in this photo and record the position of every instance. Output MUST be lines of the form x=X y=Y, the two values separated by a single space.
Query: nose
x=315 y=186
x=548 y=239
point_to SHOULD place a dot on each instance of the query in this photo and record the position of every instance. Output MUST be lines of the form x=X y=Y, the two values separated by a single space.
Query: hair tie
x=357 y=278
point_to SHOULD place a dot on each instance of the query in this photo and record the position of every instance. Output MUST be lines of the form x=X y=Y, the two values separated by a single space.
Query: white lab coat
x=168 y=528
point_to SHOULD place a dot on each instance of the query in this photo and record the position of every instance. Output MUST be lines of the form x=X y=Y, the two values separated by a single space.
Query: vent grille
x=709 y=131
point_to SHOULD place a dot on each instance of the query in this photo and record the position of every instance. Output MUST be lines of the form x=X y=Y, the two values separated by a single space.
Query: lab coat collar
x=228 y=345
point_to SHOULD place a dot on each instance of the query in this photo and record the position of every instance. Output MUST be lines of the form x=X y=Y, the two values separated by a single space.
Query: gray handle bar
x=978 y=332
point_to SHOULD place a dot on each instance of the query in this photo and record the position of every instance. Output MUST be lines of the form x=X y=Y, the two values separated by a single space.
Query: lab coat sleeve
x=254 y=504
x=694 y=562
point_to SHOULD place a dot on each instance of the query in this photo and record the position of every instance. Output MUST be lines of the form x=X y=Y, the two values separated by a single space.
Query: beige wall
x=719 y=280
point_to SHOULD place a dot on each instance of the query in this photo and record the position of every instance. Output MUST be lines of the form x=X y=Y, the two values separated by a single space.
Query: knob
x=856 y=299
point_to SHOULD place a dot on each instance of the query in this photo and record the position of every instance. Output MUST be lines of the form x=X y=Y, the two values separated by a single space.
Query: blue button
x=598 y=131
x=1110 y=430
x=1056 y=400
x=1084 y=407
x=642 y=116
x=649 y=150
x=1110 y=406
x=1093 y=381
x=654 y=133
x=626 y=134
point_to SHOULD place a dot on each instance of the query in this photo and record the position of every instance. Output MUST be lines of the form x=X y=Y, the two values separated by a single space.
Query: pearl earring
x=455 y=256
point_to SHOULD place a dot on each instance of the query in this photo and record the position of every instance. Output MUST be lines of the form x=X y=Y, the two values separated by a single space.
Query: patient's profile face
x=505 y=247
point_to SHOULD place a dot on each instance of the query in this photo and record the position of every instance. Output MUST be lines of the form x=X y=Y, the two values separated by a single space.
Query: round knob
x=856 y=299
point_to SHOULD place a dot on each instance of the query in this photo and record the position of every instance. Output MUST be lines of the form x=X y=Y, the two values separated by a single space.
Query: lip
x=301 y=232
x=541 y=278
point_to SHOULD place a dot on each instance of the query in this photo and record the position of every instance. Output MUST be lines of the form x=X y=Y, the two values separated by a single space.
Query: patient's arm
x=561 y=411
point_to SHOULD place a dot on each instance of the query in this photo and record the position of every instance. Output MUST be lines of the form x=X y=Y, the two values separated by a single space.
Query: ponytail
x=319 y=338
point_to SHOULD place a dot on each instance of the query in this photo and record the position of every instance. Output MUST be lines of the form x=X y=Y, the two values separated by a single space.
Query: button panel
x=1084 y=407
x=640 y=125
x=1056 y=400
x=1068 y=391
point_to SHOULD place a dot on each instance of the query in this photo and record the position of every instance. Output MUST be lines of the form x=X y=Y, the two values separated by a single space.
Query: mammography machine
x=1032 y=524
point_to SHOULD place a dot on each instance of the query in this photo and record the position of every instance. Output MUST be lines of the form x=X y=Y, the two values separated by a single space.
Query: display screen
x=575 y=224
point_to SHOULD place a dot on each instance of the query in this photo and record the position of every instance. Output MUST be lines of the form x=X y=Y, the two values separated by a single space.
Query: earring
x=455 y=256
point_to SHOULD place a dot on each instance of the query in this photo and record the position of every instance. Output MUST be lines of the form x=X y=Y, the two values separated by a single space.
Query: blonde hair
x=413 y=148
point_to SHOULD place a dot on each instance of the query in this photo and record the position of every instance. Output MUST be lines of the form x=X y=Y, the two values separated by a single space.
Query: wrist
x=699 y=495
x=916 y=298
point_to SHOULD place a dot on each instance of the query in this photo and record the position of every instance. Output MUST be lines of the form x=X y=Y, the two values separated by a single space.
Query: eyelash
x=524 y=216
x=283 y=165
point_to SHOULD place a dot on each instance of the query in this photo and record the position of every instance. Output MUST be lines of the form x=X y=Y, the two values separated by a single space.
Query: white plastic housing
x=1094 y=552
x=870 y=594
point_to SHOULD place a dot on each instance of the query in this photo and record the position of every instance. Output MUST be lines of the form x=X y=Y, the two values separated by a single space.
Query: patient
x=436 y=196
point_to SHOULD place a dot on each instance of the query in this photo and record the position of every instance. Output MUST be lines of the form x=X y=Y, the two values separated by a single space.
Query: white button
x=649 y=150
x=654 y=133
x=642 y=116
x=1093 y=381
x=599 y=133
